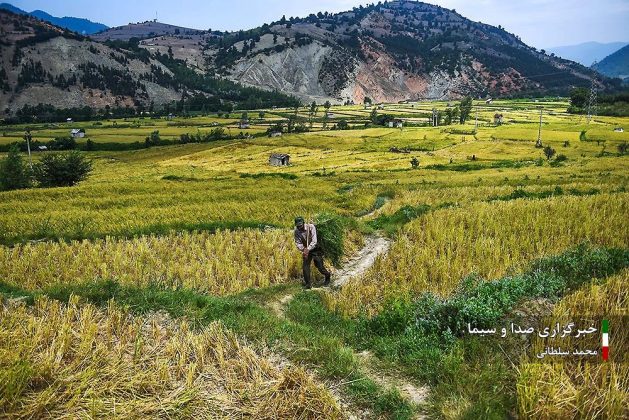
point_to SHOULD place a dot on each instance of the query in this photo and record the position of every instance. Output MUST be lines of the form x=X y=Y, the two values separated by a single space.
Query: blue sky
x=540 y=23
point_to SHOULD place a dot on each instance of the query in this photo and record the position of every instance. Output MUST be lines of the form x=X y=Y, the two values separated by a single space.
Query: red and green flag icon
x=605 y=340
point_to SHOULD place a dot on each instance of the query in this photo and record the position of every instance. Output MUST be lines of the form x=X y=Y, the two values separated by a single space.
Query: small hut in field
x=279 y=159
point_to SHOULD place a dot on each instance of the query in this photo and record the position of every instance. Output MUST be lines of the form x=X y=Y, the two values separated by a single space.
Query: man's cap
x=299 y=221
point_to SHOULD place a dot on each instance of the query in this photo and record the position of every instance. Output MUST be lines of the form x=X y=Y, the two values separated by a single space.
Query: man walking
x=306 y=242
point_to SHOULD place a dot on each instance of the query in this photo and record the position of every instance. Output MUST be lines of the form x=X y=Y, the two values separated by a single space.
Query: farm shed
x=279 y=159
x=396 y=123
x=619 y=130
x=275 y=134
x=77 y=133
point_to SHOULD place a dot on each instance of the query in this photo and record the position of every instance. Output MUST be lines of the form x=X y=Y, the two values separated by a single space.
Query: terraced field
x=179 y=260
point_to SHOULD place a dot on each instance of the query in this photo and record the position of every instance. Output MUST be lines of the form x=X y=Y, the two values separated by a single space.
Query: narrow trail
x=417 y=395
x=375 y=246
x=363 y=260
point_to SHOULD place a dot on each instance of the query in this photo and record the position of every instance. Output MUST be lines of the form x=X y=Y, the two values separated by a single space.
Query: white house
x=396 y=124
x=77 y=133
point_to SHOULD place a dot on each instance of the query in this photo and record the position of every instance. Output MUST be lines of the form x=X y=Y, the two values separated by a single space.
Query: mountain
x=391 y=51
x=142 y=30
x=82 y=26
x=615 y=65
x=587 y=53
x=43 y=64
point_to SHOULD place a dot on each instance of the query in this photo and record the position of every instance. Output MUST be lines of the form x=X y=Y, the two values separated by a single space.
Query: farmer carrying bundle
x=307 y=244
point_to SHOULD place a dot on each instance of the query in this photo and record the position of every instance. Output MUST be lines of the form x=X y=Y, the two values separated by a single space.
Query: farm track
x=375 y=245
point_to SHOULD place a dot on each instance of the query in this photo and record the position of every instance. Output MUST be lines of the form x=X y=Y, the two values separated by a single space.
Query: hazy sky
x=540 y=23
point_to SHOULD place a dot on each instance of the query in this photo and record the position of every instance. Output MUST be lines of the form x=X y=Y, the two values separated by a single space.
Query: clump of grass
x=466 y=167
x=179 y=178
x=557 y=191
x=269 y=175
x=390 y=223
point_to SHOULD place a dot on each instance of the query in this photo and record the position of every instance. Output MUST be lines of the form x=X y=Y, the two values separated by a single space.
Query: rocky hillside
x=44 y=64
x=390 y=52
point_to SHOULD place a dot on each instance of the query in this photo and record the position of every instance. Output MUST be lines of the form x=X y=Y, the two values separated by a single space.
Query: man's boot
x=326 y=282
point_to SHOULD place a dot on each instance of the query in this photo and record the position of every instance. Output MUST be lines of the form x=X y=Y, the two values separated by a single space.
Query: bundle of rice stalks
x=76 y=361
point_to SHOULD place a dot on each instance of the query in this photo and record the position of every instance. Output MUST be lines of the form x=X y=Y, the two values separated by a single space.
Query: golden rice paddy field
x=214 y=220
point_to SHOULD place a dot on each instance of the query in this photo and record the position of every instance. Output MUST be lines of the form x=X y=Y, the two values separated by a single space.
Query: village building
x=275 y=134
x=396 y=123
x=279 y=159
x=77 y=133
x=243 y=124
x=488 y=101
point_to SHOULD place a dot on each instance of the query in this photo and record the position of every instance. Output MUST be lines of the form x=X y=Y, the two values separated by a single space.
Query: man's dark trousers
x=316 y=256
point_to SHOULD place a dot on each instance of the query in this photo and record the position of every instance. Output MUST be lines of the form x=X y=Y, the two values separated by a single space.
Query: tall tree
x=466 y=109
x=14 y=173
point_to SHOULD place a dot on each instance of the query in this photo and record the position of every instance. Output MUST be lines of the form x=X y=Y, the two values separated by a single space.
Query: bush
x=62 y=170
x=14 y=174
x=561 y=158
x=62 y=143
x=549 y=152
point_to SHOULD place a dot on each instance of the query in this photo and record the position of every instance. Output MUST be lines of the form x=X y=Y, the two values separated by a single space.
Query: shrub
x=549 y=152
x=561 y=158
x=62 y=143
x=153 y=139
x=62 y=170
x=14 y=174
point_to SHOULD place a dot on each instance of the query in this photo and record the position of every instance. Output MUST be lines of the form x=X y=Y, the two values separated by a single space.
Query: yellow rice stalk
x=572 y=389
x=76 y=361
x=434 y=252
x=221 y=263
